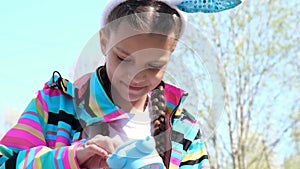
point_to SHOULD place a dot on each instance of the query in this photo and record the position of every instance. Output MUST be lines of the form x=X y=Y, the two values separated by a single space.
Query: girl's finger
x=105 y=143
x=98 y=150
x=92 y=146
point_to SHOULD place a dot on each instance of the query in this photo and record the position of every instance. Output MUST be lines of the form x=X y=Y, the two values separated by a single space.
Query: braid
x=158 y=116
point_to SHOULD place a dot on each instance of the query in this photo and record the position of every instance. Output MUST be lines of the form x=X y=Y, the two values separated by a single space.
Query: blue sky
x=38 y=37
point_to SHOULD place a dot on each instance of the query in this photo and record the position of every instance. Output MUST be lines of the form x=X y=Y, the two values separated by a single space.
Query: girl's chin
x=135 y=97
x=131 y=95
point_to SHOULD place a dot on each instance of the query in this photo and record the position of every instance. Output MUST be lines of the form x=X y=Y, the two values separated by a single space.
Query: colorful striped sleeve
x=196 y=156
x=42 y=157
x=26 y=146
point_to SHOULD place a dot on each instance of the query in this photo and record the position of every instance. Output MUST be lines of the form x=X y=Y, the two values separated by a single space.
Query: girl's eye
x=155 y=67
x=123 y=59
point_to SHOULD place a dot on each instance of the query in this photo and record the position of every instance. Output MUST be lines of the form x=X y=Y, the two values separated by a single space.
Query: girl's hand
x=93 y=153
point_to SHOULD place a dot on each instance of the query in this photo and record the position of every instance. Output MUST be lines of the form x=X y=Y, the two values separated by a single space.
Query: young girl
x=80 y=125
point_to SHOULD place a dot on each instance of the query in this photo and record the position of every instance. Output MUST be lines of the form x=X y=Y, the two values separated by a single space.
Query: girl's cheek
x=160 y=74
x=155 y=79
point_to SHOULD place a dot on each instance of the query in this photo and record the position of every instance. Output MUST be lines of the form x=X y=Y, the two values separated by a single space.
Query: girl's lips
x=135 y=88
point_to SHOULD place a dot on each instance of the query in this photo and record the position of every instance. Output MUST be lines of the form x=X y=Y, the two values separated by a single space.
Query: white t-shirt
x=136 y=127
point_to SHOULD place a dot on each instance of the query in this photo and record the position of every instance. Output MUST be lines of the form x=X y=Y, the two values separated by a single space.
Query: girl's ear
x=103 y=41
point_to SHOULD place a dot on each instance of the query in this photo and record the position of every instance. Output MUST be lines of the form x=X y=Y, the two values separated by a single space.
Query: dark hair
x=147 y=16
x=158 y=120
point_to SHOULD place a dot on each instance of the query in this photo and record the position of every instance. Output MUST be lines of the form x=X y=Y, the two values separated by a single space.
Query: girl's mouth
x=135 y=88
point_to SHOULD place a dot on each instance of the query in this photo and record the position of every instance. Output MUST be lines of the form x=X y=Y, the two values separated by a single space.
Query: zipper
x=175 y=109
x=170 y=123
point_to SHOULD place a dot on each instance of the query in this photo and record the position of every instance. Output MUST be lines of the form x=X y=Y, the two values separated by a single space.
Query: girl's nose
x=137 y=78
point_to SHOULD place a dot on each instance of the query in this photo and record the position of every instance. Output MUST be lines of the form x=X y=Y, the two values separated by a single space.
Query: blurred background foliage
x=257 y=46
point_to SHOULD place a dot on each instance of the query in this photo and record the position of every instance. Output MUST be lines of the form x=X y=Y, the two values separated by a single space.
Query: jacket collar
x=95 y=105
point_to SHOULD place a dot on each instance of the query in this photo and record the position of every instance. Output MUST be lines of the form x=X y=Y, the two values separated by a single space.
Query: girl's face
x=135 y=65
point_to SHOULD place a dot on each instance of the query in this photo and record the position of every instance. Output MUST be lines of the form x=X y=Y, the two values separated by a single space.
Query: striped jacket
x=49 y=131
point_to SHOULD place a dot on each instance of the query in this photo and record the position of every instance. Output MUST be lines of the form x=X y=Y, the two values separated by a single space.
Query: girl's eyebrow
x=122 y=50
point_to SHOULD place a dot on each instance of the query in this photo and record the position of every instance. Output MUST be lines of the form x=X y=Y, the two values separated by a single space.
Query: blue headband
x=207 y=6
x=183 y=6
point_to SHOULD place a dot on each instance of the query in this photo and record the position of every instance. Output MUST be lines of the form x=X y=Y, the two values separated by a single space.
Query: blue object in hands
x=136 y=154
x=207 y=6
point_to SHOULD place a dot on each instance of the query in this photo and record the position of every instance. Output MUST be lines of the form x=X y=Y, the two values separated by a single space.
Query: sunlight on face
x=136 y=65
